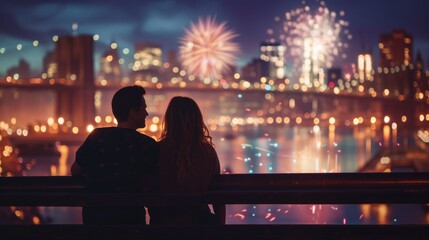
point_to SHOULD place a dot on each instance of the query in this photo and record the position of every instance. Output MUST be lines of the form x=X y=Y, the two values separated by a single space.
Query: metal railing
x=333 y=188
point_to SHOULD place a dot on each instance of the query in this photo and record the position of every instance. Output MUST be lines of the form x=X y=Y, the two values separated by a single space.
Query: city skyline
x=262 y=120
x=164 y=22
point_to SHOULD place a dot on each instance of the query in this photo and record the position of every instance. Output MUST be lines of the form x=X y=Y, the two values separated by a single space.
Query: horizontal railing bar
x=243 y=197
x=332 y=188
x=248 y=181
x=321 y=180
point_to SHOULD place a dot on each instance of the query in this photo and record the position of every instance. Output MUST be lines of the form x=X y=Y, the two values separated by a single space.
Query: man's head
x=129 y=106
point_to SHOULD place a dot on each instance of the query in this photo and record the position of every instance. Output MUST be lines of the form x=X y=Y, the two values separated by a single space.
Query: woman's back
x=187 y=161
x=193 y=182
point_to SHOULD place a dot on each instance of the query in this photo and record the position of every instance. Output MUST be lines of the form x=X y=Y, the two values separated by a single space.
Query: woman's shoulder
x=210 y=151
x=209 y=146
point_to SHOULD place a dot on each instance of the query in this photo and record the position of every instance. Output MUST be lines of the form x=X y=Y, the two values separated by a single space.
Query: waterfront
x=304 y=97
x=272 y=151
x=247 y=141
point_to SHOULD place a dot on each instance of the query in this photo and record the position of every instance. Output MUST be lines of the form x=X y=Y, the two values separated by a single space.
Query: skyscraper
x=272 y=56
x=147 y=56
x=110 y=69
x=49 y=65
x=365 y=69
x=396 y=56
x=396 y=49
x=420 y=89
x=420 y=81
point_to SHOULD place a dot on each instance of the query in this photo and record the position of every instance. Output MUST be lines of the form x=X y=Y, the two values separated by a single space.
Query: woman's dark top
x=194 y=182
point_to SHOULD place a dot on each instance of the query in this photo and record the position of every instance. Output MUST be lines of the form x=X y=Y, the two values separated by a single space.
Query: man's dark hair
x=125 y=99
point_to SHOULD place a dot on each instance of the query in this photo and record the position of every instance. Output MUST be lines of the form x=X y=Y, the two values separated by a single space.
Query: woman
x=188 y=161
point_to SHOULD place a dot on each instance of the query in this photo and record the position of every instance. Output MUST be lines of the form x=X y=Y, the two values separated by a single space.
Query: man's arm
x=82 y=154
x=220 y=212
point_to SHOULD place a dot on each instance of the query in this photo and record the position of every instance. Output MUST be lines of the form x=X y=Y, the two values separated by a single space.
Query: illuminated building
x=420 y=82
x=419 y=92
x=272 y=56
x=365 y=69
x=364 y=73
x=110 y=68
x=395 y=49
x=74 y=55
x=270 y=63
x=147 y=56
x=395 y=63
x=49 y=65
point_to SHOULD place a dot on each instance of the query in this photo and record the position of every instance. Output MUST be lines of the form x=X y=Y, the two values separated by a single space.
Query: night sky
x=163 y=21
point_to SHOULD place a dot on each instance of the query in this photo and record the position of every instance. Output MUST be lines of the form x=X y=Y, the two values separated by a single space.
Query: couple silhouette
x=119 y=159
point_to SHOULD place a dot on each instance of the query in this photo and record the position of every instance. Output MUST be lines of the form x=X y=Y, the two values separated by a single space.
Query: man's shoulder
x=102 y=130
x=145 y=138
x=113 y=134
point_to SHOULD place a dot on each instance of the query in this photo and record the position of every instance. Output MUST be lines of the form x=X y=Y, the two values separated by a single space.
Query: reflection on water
x=327 y=214
x=295 y=150
x=277 y=150
x=63 y=167
x=52 y=165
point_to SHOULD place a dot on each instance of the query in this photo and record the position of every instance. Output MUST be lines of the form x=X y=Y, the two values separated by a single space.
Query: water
x=271 y=150
x=264 y=148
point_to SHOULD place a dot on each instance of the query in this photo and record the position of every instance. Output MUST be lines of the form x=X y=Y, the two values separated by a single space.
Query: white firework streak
x=206 y=49
x=313 y=40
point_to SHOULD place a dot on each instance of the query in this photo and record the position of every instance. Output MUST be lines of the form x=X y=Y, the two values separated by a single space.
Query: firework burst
x=207 y=50
x=313 y=40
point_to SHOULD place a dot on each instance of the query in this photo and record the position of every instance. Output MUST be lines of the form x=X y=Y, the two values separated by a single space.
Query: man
x=115 y=159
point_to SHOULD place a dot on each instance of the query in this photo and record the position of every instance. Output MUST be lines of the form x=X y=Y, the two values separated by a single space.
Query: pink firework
x=207 y=50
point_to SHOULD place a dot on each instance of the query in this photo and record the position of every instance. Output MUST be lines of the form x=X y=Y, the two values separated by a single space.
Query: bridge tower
x=75 y=75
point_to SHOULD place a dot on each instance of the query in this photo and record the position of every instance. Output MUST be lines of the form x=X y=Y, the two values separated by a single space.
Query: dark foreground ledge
x=233 y=232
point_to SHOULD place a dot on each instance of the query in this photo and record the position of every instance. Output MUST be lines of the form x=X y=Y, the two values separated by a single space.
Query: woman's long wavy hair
x=185 y=134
